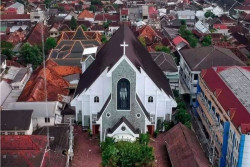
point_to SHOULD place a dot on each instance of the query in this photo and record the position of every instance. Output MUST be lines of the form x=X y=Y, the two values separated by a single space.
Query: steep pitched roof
x=206 y=57
x=164 y=61
x=15 y=119
x=111 y=52
x=184 y=148
x=79 y=34
x=56 y=84
x=36 y=34
x=86 y=14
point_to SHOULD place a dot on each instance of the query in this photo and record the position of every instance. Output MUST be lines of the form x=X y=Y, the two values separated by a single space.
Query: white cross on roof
x=124 y=45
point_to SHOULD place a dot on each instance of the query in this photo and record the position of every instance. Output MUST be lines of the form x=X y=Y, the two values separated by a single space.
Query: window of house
x=150 y=99
x=123 y=94
x=96 y=99
x=2 y=133
x=11 y=133
x=138 y=115
x=20 y=133
x=195 y=76
x=47 y=119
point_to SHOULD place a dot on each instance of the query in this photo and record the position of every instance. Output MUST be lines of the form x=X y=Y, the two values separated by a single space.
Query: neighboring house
x=29 y=150
x=44 y=113
x=103 y=17
x=223 y=106
x=184 y=148
x=59 y=136
x=74 y=47
x=203 y=28
x=4 y=94
x=112 y=28
x=180 y=43
x=57 y=28
x=221 y=29
x=21 y=78
x=150 y=35
x=70 y=15
x=145 y=14
x=15 y=19
x=37 y=15
x=186 y=15
x=168 y=66
x=34 y=90
x=135 y=14
x=227 y=20
x=16 y=122
x=134 y=86
x=35 y=37
x=124 y=14
x=86 y=15
x=18 y=7
x=192 y=61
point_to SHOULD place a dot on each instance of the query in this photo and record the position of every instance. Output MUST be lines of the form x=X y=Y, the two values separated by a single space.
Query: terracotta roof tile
x=56 y=84
x=14 y=16
x=35 y=36
x=86 y=14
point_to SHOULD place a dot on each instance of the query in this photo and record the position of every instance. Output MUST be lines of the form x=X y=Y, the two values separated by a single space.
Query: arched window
x=150 y=99
x=123 y=94
x=96 y=99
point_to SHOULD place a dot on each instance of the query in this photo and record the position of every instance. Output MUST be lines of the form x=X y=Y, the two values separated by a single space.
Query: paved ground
x=86 y=150
x=161 y=154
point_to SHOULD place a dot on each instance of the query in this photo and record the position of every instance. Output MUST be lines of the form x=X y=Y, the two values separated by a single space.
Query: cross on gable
x=124 y=45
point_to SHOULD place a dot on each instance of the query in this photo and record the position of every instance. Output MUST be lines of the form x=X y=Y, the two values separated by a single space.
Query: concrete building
x=123 y=92
x=192 y=61
x=223 y=106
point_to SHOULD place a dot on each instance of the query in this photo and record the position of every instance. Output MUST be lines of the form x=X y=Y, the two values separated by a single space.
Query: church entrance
x=151 y=129
x=95 y=129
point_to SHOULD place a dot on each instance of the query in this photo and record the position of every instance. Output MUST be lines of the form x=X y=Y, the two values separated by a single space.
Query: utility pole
x=71 y=141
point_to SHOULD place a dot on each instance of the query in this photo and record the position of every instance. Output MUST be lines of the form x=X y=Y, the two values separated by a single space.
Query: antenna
x=45 y=89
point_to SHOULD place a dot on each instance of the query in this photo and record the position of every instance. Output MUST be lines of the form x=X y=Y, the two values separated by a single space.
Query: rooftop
x=206 y=57
x=231 y=85
x=184 y=148
x=15 y=119
x=164 y=61
x=36 y=34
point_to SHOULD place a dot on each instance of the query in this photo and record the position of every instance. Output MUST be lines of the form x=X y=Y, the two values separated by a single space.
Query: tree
x=188 y=35
x=106 y=24
x=143 y=41
x=207 y=41
x=115 y=6
x=162 y=48
x=183 y=117
x=183 y=22
x=96 y=2
x=126 y=154
x=31 y=55
x=8 y=53
x=84 y=27
x=209 y=14
x=73 y=23
x=92 y=8
x=6 y=45
x=49 y=44
x=104 y=39
x=144 y=138
x=47 y=3
x=192 y=41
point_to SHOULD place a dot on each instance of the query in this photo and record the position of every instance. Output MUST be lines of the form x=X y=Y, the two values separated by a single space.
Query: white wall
x=246 y=152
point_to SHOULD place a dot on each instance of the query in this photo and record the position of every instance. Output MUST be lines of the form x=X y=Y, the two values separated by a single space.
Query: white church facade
x=123 y=92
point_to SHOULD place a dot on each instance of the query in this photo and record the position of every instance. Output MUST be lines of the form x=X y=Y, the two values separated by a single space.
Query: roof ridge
x=197 y=65
x=234 y=57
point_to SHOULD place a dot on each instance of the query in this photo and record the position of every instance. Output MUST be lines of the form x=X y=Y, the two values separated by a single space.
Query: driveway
x=86 y=150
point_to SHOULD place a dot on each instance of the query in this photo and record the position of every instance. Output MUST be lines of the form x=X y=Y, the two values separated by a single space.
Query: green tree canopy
x=209 y=14
x=143 y=41
x=106 y=24
x=162 y=48
x=92 y=8
x=188 y=35
x=127 y=154
x=6 y=45
x=50 y=44
x=183 y=117
x=8 y=53
x=104 y=39
x=84 y=27
x=73 y=23
x=207 y=41
x=31 y=55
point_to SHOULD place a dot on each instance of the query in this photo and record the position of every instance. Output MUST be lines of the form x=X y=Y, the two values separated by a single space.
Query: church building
x=123 y=92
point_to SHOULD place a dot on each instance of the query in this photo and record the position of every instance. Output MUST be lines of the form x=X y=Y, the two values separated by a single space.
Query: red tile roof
x=184 y=148
x=177 y=40
x=105 y=17
x=238 y=113
x=56 y=84
x=86 y=14
x=220 y=26
x=124 y=12
x=15 y=16
x=26 y=150
x=148 y=32
x=35 y=37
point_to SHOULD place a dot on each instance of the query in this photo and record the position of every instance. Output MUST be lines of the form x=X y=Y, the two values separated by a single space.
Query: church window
x=108 y=115
x=47 y=119
x=150 y=99
x=138 y=115
x=123 y=128
x=123 y=94
x=96 y=99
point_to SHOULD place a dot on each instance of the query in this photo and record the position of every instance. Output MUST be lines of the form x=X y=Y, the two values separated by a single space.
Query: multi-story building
x=223 y=106
x=192 y=61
